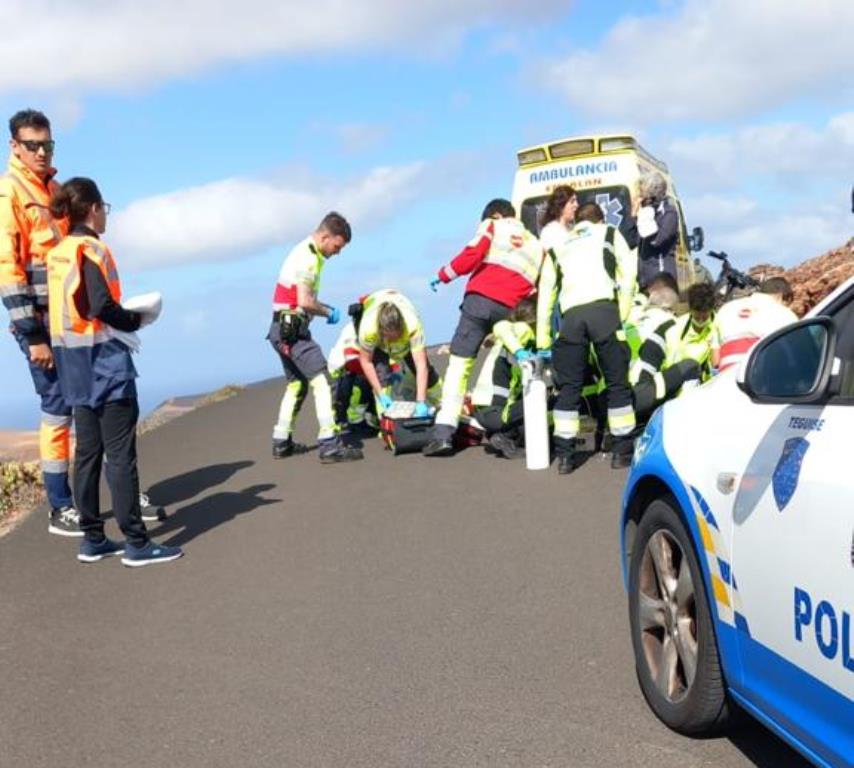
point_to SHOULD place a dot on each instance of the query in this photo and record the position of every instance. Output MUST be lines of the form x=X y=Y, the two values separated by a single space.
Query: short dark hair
x=335 y=224
x=501 y=207
x=590 y=212
x=701 y=297
x=74 y=199
x=524 y=312
x=27 y=118
x=777 y=286
x=557 y=201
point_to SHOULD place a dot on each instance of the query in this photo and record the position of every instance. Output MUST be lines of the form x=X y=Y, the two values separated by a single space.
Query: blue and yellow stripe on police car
x=724 y=587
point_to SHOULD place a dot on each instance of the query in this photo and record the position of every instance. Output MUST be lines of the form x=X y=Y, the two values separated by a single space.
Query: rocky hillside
x=813 y=279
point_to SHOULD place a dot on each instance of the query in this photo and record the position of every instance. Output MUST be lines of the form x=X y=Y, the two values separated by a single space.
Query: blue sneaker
x=151 y=553
x=93 y=551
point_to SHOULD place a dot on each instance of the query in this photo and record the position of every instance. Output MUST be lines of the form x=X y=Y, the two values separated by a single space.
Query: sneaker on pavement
x=65 y=521
x=150 y=513
x=565 y=465
x=439 y=448
x=335 y=452
x=504 y=445
x=92 y=552
x=621 y=460
x=150 y=554
x=284 y=448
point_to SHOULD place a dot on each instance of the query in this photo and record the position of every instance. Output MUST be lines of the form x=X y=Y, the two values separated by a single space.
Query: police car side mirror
x=696 y=239
x=792 y=365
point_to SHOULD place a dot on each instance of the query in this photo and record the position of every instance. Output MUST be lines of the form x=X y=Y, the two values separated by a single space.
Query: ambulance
x=738 y=542
x=601 y=169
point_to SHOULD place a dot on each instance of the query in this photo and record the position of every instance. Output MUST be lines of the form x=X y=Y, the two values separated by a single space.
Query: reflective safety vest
x=684 y=342
x=500 y=381
x=652 y=357
x=90 y=363
x=27 y=233
x=594 y=263
x=302 y=266
x=513 y=247
x=370 y=339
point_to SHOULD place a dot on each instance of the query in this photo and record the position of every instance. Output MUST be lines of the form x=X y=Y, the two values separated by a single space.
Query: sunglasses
x=33 y=146
x=106 y=207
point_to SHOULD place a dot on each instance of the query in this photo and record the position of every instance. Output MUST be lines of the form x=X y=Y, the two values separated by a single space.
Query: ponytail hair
x=74 y=199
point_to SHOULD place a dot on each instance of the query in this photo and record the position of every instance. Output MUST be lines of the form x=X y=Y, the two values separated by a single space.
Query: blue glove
x=545 y=354
x=334 y=316
x=421 y=410
x=434 y=284
x=523 y=355
x=385 y=401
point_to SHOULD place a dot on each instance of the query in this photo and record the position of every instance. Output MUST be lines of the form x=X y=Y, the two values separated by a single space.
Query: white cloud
x=235 y=217
x=119 y=44
x=792 y=153
x=753 y=234
x=710 y=59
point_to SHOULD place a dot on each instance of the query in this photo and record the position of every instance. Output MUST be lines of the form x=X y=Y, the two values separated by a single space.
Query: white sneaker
x=150 y=513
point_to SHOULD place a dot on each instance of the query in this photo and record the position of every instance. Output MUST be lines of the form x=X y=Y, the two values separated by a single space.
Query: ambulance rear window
x=571 y=148
x=614 y=202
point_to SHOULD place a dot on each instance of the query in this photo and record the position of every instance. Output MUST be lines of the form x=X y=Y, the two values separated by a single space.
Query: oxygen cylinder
x=536 y=415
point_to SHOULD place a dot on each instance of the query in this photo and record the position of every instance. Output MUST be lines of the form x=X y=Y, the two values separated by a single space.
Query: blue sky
x=221 y=132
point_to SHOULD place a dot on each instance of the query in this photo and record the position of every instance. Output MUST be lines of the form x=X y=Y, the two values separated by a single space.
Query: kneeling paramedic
x=390 y=329
x=505 y=261
x=97 y=376
x=497 y=395
x=656 y=372
x=594 y=273
x=351 y=393
x=294 y=304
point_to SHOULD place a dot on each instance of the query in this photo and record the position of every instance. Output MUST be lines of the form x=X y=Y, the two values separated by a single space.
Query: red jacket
x=498 y=240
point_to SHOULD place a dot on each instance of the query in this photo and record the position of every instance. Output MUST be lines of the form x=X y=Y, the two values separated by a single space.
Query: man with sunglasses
x=27 y=233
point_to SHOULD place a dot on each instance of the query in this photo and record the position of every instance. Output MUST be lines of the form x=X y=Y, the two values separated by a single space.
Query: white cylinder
x=536 y=418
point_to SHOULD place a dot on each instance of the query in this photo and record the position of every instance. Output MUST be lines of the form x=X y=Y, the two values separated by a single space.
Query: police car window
x=843 y=317
x=790 y=365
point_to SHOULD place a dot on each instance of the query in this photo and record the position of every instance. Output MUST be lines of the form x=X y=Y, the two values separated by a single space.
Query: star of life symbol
x=611 y=207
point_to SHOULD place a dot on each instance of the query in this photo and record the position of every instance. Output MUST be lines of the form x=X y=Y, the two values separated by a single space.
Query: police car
x=738 y=542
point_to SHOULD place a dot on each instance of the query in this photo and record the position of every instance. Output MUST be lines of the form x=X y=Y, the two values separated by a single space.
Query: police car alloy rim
x=667 y=616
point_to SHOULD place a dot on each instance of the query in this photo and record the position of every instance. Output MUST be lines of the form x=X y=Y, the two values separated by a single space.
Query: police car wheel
x=676 y=655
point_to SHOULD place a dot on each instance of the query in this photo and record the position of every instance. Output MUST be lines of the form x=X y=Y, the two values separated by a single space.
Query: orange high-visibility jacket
x=27 y=233
x=90 y=363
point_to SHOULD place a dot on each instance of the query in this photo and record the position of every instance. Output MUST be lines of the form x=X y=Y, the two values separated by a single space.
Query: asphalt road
x=392 y=612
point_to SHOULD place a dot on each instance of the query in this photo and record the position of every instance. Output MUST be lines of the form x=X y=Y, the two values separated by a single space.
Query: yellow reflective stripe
x=567 y=423
x=621 y=421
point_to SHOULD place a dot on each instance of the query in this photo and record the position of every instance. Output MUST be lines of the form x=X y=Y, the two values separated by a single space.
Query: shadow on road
x=196 y=519
x=763 y=748
x=183 y=487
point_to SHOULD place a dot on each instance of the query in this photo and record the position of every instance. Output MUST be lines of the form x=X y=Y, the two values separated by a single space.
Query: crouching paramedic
x=352 y=397
x=497 y=396
x=295 y=303
x=390 y=329
x=742 y=322
x=657 y=372
x=505 y=261
x=593 y=277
